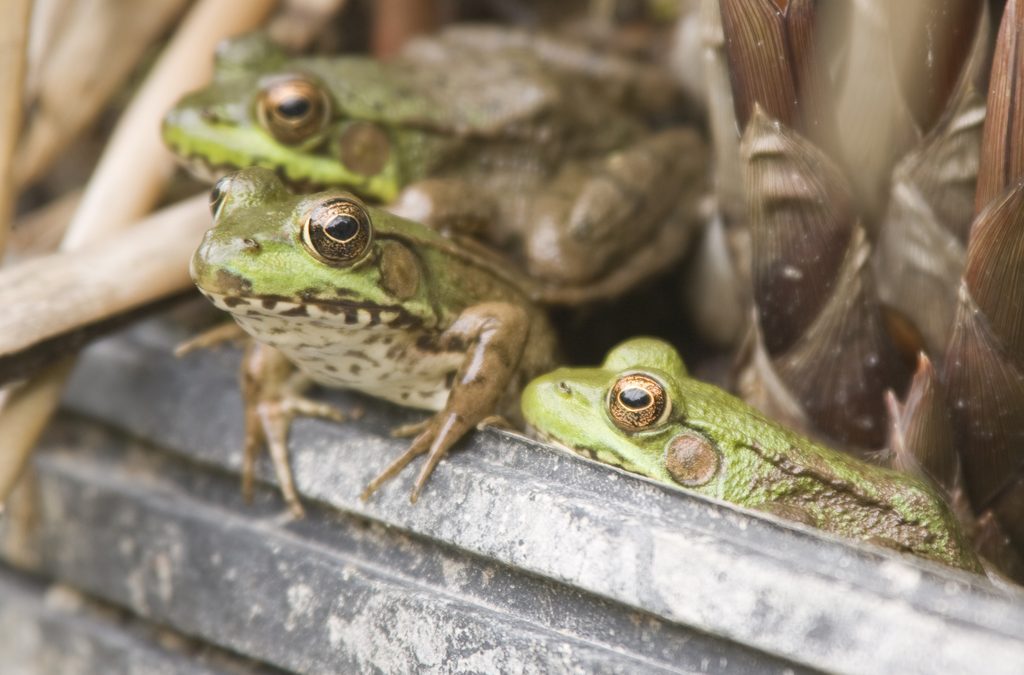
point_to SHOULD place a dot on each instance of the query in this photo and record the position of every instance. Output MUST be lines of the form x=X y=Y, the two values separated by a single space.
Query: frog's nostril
x=250 y=245
x=564 y=388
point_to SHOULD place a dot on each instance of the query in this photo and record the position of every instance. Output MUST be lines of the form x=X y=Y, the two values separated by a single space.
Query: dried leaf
x=994 y=274
x=842 y=364
x=874 y=125
x=102 y=42
x=1002 y=145
x=935 y=42
x=921 y=432
x=801 y=219
x=760 y=386
x=770 y=49
x=725 y=139
x=986 y=394
x=920 y=254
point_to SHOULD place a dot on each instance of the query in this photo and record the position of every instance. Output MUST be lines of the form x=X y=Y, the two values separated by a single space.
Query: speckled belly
x=373 y=351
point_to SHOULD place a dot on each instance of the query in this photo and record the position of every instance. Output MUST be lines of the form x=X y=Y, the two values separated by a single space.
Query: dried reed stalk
x=127 y=182
x=52 y=294
x=13 y=48
x=93 y=52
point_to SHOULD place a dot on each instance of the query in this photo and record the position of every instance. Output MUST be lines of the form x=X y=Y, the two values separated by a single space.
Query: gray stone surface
x=332 y=593
x=572 y=564
x=46 y=630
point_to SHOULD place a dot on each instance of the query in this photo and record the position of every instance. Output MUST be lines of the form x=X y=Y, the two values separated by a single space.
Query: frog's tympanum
x=640 y=411
x=361 y=299
x=549 y=150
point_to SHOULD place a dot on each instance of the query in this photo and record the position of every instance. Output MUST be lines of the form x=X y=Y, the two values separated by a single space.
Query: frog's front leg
x=605 y=222
x=271 y=394
x=492 y=335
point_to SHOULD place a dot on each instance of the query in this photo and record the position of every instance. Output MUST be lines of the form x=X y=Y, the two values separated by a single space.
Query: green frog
x=545 y=149
x=641 y=411
x=361 y=299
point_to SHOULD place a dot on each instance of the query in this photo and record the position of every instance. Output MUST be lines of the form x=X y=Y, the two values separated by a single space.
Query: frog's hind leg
x=271 y=391
x=493 y=335
x=452 y=206
x=604 y=215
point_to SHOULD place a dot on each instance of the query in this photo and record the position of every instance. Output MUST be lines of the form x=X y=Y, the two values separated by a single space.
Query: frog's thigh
x=447 y=205
x=600 y=210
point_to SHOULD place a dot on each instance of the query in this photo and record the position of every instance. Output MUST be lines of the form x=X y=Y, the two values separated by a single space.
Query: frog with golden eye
x=358 y=298
x=556 y=153
x=641 y=411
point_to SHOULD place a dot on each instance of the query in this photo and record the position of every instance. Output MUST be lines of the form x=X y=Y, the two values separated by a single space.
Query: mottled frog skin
x=550 y=151
x=641 y=411
x=361 y=299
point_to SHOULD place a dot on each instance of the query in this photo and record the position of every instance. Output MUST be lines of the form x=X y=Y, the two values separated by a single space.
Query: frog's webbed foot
x=272 y=397
x=441 y=432
x=495 y=422
x=496 y=333
x=223 y=332
x=411 y=429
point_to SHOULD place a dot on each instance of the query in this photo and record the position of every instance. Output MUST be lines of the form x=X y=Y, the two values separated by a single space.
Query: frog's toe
x=445 y=434
x=411 y=429
x=305 y=407
x=420 y=445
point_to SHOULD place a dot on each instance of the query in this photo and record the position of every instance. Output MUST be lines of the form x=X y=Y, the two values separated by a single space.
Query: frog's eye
x=338 y=231
x=293 y=109
x=217 y=195
x=637 y=402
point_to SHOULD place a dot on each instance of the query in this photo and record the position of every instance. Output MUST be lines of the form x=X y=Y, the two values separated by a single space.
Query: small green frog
x=361 y=299
x=542 y=148
x=641 y=411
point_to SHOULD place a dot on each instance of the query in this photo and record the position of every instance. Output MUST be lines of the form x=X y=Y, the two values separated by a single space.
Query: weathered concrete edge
x=40 y=636
x=487 y=500
x=134 y=529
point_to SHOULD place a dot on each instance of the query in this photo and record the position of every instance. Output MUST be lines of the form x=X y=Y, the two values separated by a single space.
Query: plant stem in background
x=395 y=22
x=128 y=181
x=13 y=47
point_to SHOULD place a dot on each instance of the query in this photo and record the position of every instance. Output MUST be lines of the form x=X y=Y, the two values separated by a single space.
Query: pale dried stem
x=22 y=422
x=41 y=230
x=49 y=18
x=93 y=55
x=13 y=48
x=135 y=165
x=299 y=22
x=52 y=294
x=129 y=179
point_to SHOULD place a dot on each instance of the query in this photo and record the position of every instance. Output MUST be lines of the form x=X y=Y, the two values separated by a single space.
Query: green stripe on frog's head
x=287 y=122
x=327 y=250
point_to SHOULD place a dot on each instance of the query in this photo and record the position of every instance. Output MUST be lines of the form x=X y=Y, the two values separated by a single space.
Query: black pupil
x=293 y=107
x=342 y=228
x=635 y=398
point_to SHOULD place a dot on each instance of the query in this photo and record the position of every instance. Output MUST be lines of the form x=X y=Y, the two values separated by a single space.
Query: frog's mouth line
x=351 y=314
x=202 y=169
x=548 y=439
